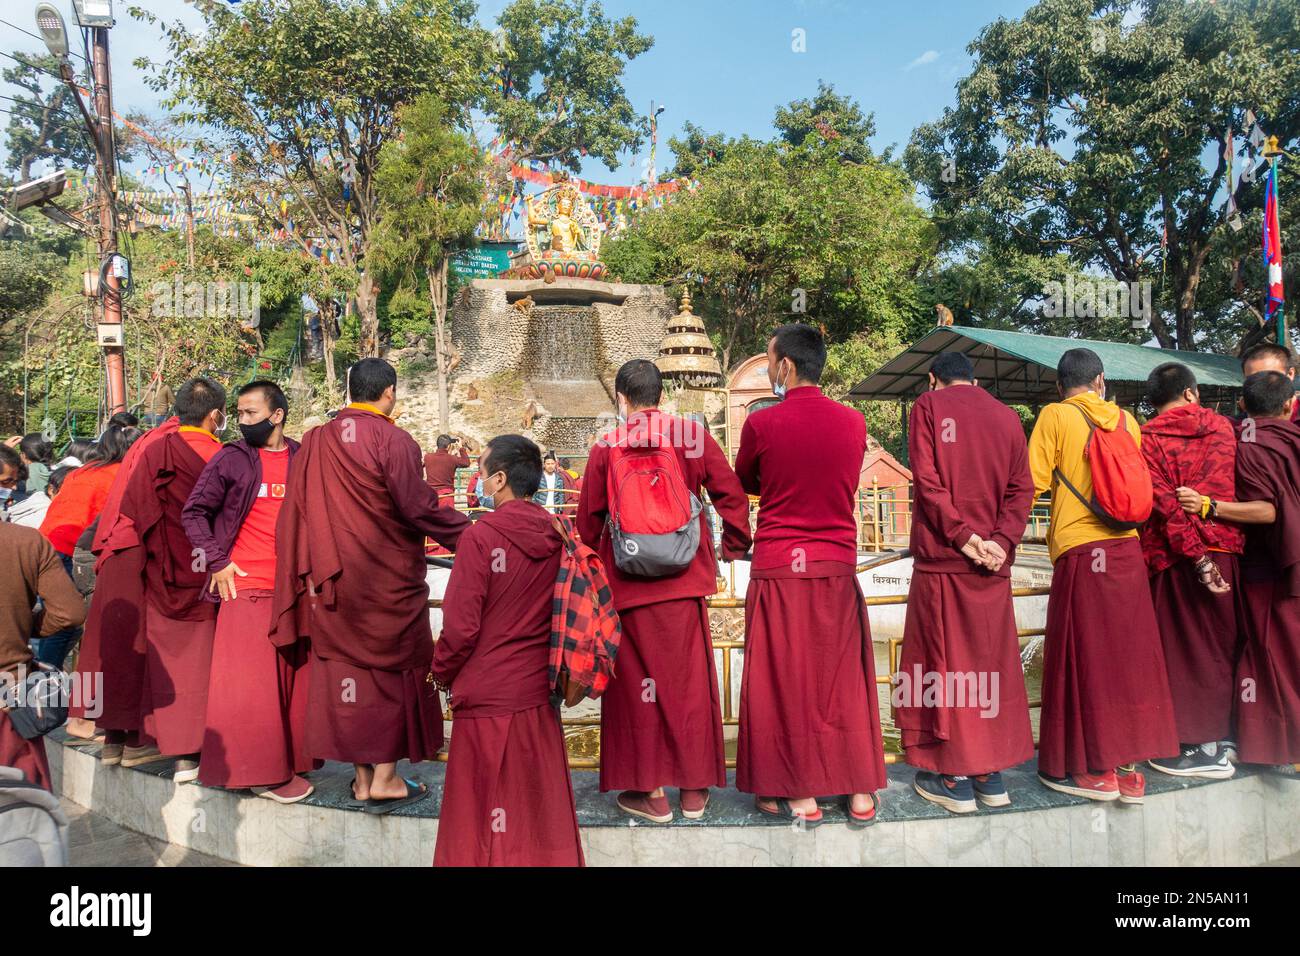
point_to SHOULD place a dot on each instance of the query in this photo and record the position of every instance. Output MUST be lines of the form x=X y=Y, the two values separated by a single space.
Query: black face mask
x=257 y=434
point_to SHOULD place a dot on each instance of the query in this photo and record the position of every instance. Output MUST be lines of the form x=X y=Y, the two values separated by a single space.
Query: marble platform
x=1251 y=819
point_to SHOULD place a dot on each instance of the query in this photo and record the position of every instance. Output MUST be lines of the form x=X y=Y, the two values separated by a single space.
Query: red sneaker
x=296 y=789
x=1102 y=787
x=1132 y=785
x=694 y=803
x=641 y=804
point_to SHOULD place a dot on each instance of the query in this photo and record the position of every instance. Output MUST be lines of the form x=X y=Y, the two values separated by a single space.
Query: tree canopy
x=1095 y=133
x=807 y=227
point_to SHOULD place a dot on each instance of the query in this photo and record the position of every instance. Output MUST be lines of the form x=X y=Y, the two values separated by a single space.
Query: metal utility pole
x=97 y=17
x=653 y=174
x=109 y=294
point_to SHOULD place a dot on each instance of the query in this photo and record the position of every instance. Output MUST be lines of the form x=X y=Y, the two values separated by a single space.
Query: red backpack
x=654 y=521
x=1121 y=483
x=585 y=630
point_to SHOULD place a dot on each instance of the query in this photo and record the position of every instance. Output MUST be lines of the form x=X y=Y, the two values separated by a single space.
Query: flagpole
x=1273 y=153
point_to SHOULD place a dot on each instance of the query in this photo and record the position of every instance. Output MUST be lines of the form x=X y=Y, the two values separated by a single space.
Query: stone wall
x=566 y=345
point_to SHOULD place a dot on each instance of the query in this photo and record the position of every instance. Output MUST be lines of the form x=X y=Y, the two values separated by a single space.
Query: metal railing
x=729 y=601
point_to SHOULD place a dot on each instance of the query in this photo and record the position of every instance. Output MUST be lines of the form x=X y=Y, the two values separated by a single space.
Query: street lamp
x=654 y=140
x=50 y=22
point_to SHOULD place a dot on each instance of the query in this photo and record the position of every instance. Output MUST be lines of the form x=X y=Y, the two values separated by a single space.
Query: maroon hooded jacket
x=1194 y=447
x=494 y=650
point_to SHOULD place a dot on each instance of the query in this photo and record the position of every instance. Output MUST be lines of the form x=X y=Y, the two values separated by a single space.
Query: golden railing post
x=875 y=512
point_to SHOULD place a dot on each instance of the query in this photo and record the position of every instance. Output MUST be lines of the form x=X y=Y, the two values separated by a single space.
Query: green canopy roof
x=1020 y=368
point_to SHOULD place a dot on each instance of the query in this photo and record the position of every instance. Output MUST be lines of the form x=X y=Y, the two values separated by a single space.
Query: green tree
x=1088 y=136
x=305 y=95
x=430 y=190
x=794 y=229
x=45 y=124
x=558 y=91
x=694 y=151
x=831 y=121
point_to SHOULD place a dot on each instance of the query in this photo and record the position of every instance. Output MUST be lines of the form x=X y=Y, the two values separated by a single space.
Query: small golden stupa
x=686 y=354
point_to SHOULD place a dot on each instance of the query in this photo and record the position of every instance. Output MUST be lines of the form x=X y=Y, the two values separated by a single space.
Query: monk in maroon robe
x=1270 y=357
x=1192 y=561
x=112 y=644
x=440 y=468
x=1268 y=506
x=660 y=718
x=178 y=622
x=350 y=576
x=507 y=799
x=973 y=491
x=809 y=714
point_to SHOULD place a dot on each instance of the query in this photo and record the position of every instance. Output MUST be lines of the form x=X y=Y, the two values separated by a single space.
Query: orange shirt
x=77 y=505
x=254 y=549
x=203 y=443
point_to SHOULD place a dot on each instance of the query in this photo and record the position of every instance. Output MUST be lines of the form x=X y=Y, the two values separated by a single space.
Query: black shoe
x=1194 y=761
x=954 y=794
x=990 y=790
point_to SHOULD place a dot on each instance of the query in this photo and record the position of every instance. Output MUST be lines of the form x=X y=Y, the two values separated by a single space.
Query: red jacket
x=703 y=466
x=78 y=504
x=970 y=474
x=1195 y=447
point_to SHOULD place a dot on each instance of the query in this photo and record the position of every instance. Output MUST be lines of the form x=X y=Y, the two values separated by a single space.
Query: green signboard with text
x=485 y=262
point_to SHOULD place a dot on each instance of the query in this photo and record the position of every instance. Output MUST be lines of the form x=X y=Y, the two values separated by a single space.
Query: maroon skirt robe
x=1201 y=638
x=364 y=715
x=25 y=755
x=507 y=799
x=257 y=696
x=113 y=646
x=1268 y=675
x=660 y=719
x=962 y=627
x=1106 y=700
x=178 y=662
x=809 y=714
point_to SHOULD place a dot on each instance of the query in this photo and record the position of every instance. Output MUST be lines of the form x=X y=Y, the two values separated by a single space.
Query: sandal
x=415 y=792
x=788 y=812
x=353 y=802
x=860 y=821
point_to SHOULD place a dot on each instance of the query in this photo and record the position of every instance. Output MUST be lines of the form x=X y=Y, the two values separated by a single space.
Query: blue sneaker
x=990 y=790
x=954 y=794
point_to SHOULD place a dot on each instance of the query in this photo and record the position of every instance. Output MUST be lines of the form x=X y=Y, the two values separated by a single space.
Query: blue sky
x=722 y=64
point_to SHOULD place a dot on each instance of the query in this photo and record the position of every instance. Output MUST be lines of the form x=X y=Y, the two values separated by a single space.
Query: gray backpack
x=33 y=829
x=654 y=519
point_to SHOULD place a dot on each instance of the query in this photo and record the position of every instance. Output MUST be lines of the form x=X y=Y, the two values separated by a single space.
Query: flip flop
x=856 y=820
x=415 y=792
x=787 y=812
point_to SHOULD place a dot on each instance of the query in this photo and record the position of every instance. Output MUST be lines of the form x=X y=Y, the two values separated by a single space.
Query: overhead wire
x=35 y=36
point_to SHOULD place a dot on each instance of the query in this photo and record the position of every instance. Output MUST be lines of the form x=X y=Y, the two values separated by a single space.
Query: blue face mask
x=6 y=494
x=484 y=501
x=779 y=389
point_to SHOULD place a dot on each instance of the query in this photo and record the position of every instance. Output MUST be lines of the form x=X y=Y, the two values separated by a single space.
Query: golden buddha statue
x=566 y=235
x=563 y=235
